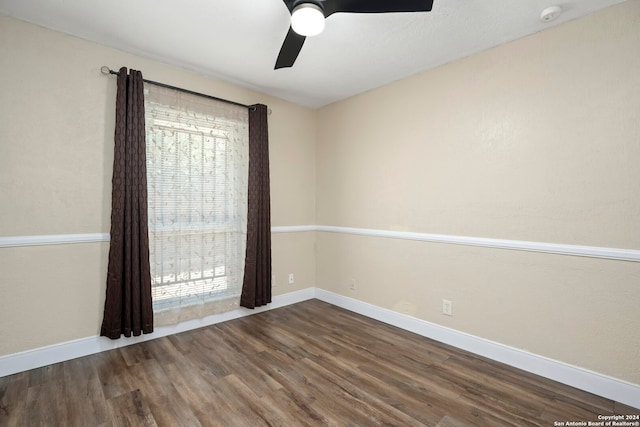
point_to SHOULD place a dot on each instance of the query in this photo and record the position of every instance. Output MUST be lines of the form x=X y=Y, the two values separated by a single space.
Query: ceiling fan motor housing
x=296 y=36
x=293 y=4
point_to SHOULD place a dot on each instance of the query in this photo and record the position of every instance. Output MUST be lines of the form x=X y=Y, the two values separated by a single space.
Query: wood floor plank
x=308 y=364
x=364 y=400
x=172 y=411
x=84 y=395
x=165 y=352
x=256 y=404
x=619 y=408
x=13 y=405
x=46 y=404
x=130 y=409
x=415 y=404
x=201 y=392
x=237 y=358
x=451 y=422
x=113 y=373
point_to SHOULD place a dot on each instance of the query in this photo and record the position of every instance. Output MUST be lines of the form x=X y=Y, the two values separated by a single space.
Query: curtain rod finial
x=105 y=70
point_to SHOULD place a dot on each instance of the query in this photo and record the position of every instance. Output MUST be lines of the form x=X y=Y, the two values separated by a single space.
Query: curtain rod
x=106 y=71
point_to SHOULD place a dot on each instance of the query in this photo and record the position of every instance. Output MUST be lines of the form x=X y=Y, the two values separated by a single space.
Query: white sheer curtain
x=197 y=168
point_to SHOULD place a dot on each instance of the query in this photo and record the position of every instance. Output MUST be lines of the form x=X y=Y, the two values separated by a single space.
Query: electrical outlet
x=292 y=279
x=447 y=307
x=353 y=285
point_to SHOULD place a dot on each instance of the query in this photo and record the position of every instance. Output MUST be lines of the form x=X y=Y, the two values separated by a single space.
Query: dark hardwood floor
x=307 y=364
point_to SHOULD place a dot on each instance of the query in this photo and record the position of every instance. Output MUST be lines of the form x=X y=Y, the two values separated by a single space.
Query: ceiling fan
x=307 y=19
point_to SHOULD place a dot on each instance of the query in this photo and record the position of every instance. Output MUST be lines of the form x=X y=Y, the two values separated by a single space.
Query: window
x=197 y=166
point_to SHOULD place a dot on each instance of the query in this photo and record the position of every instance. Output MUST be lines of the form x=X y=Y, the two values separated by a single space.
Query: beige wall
x=536 y=140
x=56 y=154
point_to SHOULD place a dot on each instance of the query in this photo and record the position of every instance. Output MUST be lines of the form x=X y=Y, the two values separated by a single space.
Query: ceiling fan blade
x=290 y=49
x=376 y=6
x=293 y=41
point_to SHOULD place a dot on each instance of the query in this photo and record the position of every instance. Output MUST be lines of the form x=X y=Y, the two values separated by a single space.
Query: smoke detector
x=550 y=13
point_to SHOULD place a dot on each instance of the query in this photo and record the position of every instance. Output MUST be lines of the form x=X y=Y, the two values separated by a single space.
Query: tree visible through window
x=197 y=163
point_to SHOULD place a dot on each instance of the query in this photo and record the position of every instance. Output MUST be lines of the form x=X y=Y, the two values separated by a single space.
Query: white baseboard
x=593 y=382
x=30 y=359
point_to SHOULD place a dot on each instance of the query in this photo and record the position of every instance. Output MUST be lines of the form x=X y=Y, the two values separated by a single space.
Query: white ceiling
x=239 y=40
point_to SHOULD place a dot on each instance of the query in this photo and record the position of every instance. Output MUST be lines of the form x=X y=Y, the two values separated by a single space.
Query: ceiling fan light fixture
x=307 y=19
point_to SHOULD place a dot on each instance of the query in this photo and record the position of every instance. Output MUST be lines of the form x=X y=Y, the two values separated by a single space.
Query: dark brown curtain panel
x=128 y=305
x=256 y=287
